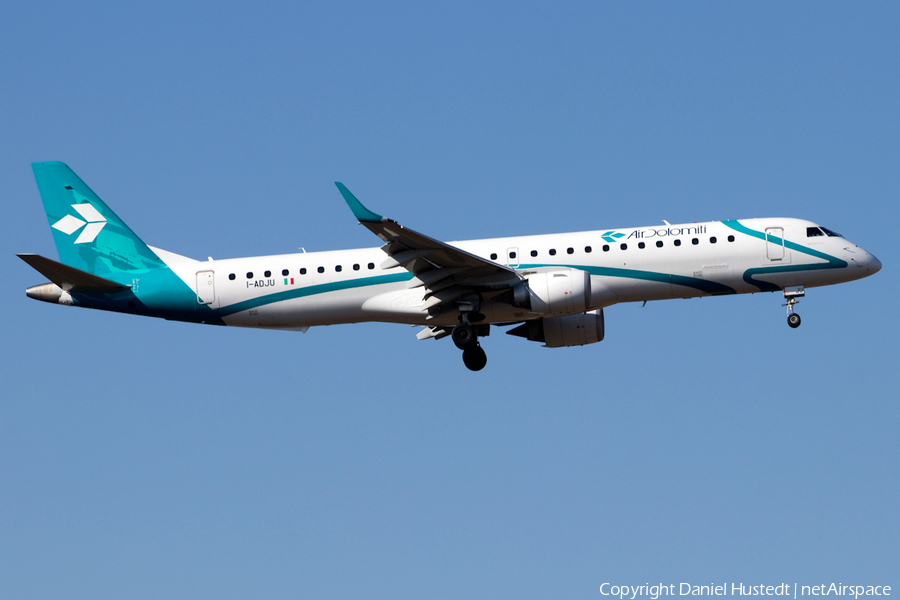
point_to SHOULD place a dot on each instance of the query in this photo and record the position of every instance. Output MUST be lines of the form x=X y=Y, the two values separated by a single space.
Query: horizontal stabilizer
x=69 y=278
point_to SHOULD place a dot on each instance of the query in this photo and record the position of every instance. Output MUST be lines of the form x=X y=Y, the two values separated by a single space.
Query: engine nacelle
x=559 y=332
x=559 y=292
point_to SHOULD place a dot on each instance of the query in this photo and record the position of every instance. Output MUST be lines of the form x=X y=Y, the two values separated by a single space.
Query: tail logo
x=93 y=223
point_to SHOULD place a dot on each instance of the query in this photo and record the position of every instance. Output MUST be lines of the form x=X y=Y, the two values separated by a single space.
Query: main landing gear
x=465 y=336
x=474 y=357
x=791 y=294
x=466 y=340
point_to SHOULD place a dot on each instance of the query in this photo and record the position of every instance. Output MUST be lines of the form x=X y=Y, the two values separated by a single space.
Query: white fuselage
x=295 y=291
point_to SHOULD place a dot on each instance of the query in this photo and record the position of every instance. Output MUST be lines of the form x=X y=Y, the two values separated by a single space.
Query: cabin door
x=775 y=243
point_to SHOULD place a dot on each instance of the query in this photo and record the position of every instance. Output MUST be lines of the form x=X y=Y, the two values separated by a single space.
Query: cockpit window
x=831 y=233
x=814 y=232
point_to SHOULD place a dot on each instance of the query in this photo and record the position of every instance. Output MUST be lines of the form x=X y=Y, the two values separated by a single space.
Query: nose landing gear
x=791 y=294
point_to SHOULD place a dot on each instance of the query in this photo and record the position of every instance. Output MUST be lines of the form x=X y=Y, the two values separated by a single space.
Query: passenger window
x=338 y=268
x=371 y=266
x=356 y=267
x=695 y=241
x=814 y=232
x=730 y=238
x=606 y=247
x=588 y=249
x=570 y=251
x=321 y=269
x=712 y=240
x=534 y=252
x=303 y=270
x=641 y=245
x=231 y=276
x=659 y=244
x=493 y=256
x=623 y=246
x=250 y=275
x=512 y=254
x=552 y=252
x=267 y=274
x=677 y=242
x=284 y=272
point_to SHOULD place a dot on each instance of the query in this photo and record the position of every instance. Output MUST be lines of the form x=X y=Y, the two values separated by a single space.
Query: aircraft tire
x=794 y=320
x=463 y=336
x=474 y=358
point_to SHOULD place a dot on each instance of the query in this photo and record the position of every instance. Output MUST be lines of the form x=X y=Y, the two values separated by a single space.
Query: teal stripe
x=709 y=287
x=764 y=286
x=311 y=290
x=704 y=285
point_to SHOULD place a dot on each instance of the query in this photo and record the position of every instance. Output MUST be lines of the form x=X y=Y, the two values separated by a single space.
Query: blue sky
x=702 y=441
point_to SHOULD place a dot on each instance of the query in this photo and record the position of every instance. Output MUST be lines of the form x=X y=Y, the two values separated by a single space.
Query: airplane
x=547 y=288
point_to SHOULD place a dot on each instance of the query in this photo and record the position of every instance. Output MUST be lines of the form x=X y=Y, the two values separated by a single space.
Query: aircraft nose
x=873 y=264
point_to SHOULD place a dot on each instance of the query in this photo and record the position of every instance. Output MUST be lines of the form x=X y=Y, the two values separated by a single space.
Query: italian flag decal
x=286 y=279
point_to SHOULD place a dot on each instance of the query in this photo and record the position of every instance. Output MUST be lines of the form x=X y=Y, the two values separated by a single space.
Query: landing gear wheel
x=794 y=320
x=463 y=336
x=474 y=357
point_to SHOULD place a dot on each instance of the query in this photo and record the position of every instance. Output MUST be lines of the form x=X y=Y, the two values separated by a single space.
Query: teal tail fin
x=88 y=234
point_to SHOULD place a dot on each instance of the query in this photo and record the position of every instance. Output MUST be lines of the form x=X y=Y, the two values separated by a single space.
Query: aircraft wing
x=430 y=260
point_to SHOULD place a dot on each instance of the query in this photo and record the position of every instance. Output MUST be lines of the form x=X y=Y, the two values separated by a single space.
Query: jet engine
x=560 y=292
x=569 y=330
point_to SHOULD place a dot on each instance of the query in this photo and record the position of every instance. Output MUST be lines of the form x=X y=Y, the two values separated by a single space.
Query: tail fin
x=88 y=234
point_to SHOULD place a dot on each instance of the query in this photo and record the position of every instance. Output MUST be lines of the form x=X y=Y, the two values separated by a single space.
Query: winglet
x=362 y=213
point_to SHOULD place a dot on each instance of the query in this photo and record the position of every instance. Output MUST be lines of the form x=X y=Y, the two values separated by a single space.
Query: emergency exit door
x=206 y=287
